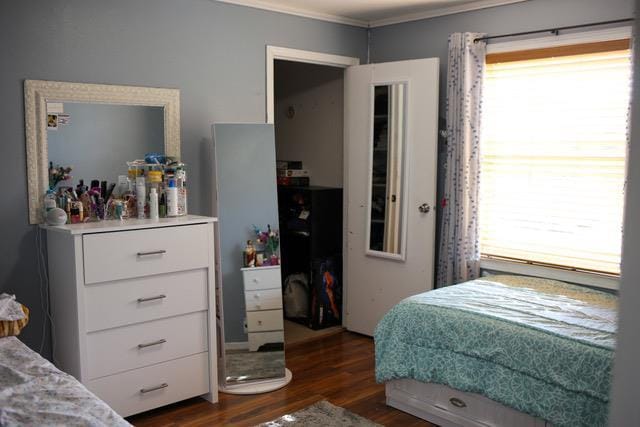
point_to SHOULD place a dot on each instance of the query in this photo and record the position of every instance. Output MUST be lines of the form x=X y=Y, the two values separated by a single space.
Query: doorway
x=307 y=109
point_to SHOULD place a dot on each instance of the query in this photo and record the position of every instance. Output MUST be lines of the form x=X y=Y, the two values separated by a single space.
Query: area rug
x=323 y=414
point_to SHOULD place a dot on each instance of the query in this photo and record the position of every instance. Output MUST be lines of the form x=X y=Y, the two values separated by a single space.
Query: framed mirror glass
x=386 y=231
x=251 y=334
x=95 y=129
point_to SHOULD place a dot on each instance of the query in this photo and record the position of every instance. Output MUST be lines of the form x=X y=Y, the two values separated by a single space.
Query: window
x=554 y=135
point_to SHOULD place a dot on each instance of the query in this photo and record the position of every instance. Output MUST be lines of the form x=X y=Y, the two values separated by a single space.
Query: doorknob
x=424 y=208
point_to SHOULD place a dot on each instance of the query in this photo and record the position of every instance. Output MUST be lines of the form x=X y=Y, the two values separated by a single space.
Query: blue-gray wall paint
x=101 y=138
x=428 y=38
x=213 y=52
x=624 y=408
x=245 y=159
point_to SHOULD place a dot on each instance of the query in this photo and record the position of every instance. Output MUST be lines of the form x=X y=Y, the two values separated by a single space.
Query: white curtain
x=459 y=253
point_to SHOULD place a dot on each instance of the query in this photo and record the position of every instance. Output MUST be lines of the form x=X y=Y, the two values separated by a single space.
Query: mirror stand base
x=258 y=387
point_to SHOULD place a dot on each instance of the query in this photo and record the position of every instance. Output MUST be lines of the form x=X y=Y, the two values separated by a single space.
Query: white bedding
x=34 y=392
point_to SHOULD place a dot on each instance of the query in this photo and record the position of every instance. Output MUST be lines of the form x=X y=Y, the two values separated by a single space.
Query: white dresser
x=133 y=309
x=263 y=302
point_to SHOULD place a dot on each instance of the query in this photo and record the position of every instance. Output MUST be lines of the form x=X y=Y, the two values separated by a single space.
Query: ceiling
x=370 y=13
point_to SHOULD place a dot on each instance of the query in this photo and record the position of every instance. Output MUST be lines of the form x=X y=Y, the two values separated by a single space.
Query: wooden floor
x=338 y=368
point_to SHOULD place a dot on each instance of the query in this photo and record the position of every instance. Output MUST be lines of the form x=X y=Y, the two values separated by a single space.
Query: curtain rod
x=554 y=31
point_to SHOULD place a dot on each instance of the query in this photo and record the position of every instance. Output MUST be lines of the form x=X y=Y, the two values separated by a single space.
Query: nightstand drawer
x=261 y=278
x=262 y=321
x=128 y=254
x=123 y=302
x=135 y=346
x=268 y=299
x=258 y=339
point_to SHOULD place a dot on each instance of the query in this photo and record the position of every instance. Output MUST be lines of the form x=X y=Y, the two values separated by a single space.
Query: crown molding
x=305 y=13
x=308 y=13
x=476 y=5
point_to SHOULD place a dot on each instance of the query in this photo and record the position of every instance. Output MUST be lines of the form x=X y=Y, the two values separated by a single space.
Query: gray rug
x=322 y=414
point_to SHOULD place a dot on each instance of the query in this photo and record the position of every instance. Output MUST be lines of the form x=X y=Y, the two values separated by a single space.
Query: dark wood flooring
x=338 y=368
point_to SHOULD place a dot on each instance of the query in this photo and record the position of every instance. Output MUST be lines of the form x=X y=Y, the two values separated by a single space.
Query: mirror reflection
x=96 y=140
x=387 y=169
x=251 y=314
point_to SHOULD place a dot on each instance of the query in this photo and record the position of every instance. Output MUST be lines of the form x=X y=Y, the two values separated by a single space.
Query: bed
x=34 y=392
x=501 y=350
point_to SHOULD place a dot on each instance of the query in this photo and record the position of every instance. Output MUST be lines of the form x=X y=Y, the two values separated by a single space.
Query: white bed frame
x=448 y=407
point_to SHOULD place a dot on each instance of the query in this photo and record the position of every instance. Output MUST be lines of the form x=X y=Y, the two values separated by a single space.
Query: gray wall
x=315 y=133
x=101 y=138
x=245 y=157
x=625 y=410
x=213 y=52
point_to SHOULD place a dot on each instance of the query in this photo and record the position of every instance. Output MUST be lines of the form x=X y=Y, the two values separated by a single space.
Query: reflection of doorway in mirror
x=387 y=172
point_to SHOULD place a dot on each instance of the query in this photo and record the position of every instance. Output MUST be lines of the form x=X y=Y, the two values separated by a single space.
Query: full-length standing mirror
x=250 y=316
x=95 y=128
x=387 y=172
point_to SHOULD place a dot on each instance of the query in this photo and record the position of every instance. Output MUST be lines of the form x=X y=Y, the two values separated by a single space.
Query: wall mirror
x=386 y=232
x=95 y=129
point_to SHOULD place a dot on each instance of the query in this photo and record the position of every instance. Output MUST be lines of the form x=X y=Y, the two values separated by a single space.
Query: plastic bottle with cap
x=172 y=198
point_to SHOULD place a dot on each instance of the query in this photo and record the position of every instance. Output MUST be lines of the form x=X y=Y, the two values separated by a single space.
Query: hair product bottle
x=172 y=198
x=153 y=204
x=141 y=196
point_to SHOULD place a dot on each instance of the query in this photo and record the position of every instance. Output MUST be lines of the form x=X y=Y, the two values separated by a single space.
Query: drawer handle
x=160 y=252
x=256 y=280
x=259 y=322
x=149 y=344
x=258 y=306
x=150 y=389
x=152 y=298
x=257 y=296
x=457 y=402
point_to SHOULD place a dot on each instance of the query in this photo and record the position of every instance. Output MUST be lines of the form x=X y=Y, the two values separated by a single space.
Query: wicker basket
x=13 y=327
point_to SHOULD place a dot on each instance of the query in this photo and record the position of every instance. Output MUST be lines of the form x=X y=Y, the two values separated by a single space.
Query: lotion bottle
x=153 y=204
x=172 y=198
x=141 y=196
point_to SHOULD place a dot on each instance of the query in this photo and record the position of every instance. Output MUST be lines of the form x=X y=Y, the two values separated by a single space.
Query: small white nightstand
x=263 y=302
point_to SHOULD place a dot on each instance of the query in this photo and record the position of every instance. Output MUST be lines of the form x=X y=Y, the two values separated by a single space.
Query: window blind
x=553 y=149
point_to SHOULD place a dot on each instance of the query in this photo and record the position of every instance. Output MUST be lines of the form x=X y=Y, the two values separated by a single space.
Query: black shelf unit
x=311 y=243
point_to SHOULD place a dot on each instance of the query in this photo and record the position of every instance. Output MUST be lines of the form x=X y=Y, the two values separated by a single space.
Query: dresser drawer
x=257 y=339
x=268 y=320
x=127 y=254
x=123 y=302
x=133 y=391
x=268 y=299
x=130 y=347
x=261 y=278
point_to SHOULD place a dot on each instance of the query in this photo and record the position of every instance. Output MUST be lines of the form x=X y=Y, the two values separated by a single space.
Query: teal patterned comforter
x=540 y=346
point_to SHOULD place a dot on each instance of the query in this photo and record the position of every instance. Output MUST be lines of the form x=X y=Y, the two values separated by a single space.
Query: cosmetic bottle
x=163 y=205
x=172 y=198
x=49 y=201
x=181 y=180
x=141 y=196
x=153 y=204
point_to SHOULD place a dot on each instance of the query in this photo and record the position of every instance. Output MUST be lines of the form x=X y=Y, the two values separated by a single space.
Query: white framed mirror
x=387 y=181
x=144 y=104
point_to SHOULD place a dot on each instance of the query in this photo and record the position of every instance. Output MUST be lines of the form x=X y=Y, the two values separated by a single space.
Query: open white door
x=391 y=124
